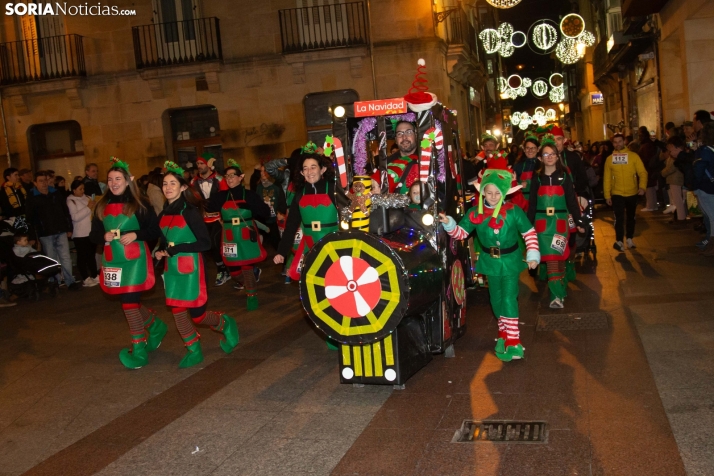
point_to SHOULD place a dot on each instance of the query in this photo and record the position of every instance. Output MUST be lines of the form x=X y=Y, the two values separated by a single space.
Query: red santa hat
x=557 y=131
x=419 y=98
x=499 y=161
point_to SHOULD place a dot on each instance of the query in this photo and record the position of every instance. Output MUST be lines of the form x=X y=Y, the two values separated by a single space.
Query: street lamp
x=561 y=106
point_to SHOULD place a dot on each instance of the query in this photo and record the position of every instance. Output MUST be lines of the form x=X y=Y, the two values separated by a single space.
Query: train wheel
x=353 y=287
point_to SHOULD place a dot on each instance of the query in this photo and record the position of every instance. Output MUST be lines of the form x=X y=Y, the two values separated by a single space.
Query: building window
x=614 y=17
x=318 y=115
x=195 y=131
x=57 y=146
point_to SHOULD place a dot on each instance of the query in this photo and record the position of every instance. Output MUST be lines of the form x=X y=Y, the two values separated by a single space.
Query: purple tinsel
x=441 y=176
x=359 y=142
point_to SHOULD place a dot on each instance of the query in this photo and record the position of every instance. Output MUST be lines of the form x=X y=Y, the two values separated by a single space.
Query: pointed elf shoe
x=136 y=357
x=157 y=331
x=229 y=328
x=193 y=356
x=252 y=304
x=513 y=352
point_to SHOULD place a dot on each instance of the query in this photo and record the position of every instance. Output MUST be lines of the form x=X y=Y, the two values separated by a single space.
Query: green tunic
x=491 y=240
x=184 y=273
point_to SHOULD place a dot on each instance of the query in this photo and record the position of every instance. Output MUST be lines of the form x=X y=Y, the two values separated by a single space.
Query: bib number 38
x=112 y=277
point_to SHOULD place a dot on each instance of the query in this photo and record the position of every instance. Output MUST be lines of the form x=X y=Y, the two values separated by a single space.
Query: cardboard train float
x=390 y=286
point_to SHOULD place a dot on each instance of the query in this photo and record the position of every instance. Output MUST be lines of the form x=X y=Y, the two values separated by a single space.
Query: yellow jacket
x=624 y=174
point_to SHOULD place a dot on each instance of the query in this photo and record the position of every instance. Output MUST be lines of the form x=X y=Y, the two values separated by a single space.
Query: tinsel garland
x=385 y=200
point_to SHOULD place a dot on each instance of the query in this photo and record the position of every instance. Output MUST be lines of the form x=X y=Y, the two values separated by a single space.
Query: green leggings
x=503 y=291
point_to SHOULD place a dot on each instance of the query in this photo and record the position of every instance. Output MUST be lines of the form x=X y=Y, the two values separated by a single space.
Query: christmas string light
x=543 y=35
x=567 y=51
x=539 y=88
x=503 y=41
x=504 y=3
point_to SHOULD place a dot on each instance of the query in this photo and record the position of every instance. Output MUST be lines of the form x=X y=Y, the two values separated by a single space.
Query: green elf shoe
x=156 y=331
x=230 y=334
x=500 y=346
x=136 y=357
x=193 y=356
x=252 y=302
x=570 y=273
x=513 y=352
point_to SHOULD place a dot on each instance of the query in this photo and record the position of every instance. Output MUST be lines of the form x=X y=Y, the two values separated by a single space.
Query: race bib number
x=300 y=264
x=619 y=159
x=112 y=277
x=230 y=250
x=558 y=243
x=298 y=237
x=571 y=222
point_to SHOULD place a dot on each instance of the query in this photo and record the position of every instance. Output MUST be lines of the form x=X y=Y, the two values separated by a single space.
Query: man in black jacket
x=47 y=211
x=91 y=181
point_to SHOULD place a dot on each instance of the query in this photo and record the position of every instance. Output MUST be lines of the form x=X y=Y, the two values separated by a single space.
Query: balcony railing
x=459 y=31
x=178 y=42
x=323 y=27
x=41 y=59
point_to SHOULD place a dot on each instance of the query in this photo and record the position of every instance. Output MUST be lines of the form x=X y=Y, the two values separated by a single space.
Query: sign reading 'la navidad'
x=380 y=107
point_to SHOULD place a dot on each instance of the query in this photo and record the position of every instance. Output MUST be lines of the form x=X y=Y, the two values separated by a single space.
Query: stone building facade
x=239 y=79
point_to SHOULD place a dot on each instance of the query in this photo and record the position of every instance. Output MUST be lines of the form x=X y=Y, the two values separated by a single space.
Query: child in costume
x=124 y=222
x=184 y=237
x=499 y=226
x=240 y=245
x=313 y=210
x=528 y=164
x=555 y=212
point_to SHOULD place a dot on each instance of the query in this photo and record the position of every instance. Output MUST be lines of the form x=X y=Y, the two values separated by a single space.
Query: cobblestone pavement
x=632 y=398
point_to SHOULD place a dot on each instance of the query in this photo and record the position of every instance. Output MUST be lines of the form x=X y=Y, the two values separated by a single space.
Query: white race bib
x=619 y=159
x=300 y=264
x=112 y=277
x=571 y=222
x=558 y=243
x=230 y=250
x=298 y=237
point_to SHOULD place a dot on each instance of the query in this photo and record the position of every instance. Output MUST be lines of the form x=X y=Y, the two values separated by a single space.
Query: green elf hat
x=309 y=148
x=531 y=138
x=118 y=163
x=548 y=139
x=234 y=164
x=499 y=175
x=173 y=167
x=488 y=137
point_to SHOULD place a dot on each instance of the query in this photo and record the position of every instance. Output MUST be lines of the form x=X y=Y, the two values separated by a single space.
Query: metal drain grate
x=501 y=431
x=572 y=322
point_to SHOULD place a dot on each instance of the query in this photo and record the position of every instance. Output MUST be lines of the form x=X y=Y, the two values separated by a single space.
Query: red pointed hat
x=419 y=98
x=557 y=131
x=499 y=161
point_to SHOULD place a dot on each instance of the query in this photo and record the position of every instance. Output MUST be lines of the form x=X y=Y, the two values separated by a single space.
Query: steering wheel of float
x=354 y=287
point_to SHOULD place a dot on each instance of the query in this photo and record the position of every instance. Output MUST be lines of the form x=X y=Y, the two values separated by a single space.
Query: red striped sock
x=513 y=335
x=133 y=318
x=183 y=322
x=210 y=318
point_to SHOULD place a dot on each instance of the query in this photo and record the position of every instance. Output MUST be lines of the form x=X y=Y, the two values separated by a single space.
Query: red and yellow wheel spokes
x=457 y=282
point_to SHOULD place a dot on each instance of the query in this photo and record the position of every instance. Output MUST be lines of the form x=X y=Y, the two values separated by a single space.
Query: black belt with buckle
x=317 y=225
x=497 y=252
x=550 y=211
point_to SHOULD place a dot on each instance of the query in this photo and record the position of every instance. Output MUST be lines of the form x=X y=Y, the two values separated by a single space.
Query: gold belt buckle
x=235 y=221
x=316 y=226
x=550 y=211
x=494 y=251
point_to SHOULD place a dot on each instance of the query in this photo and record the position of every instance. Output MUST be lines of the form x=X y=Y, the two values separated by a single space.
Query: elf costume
x=498 y=228
x=314 y=212
x=185 y=237
x=240 y=240
x=526 y=167
x=127 y=270
x=555 y=212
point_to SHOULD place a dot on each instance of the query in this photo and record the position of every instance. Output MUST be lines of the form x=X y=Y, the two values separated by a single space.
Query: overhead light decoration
x=539 y=118
x=504 y=3
x=567 y=51
x=514 y=86
x=503 y=41
x=525 y=121
x=491 y=40
x=515 y=118
x=543 y=35
x=551 y=115
x=539 y=88
x=557 y=87
x=575 y=40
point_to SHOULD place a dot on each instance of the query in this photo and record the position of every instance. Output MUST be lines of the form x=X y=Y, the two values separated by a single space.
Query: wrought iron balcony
x=459 y=30
x=178 y=42
x=323 y=27
x=41 y=59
